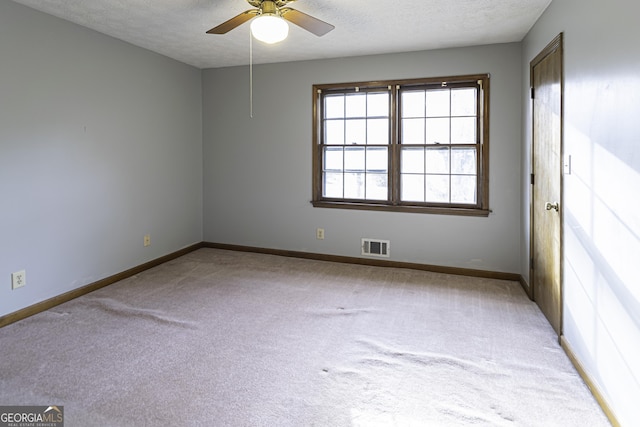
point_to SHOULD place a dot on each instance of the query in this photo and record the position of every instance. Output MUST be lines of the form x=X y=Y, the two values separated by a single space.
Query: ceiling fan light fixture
x=269 y=28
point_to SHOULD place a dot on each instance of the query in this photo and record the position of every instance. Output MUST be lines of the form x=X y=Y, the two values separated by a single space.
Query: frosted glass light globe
x=269 y=28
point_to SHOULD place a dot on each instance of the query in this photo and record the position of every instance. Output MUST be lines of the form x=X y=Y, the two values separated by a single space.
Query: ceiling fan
x=273 y=11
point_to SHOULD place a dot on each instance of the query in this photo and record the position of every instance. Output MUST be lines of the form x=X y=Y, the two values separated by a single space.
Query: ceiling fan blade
x=234 y=22
x=308 y=22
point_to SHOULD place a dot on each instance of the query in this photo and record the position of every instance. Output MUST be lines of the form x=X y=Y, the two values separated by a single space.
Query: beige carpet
x=221 y=338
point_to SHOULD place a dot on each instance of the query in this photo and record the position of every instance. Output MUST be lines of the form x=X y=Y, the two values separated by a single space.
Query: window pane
x=463 y=102
x=356 y=132
x=377 y=160
x=438 y=131
x=378 y=131
x=334 y=106
x=332 y=185
x=463 y=189
x=356 y=105
x=438 y=103
x=412 y=160
x=463 y=130
x=463 y=161
x=377 y=186
x=413 y=104
x=412 y=188
x=333 y=158
x=437 y=160
x=334 y=132
x=437 y=188
x=354 y=158
x=378 y=104
x=354 y=185
x=413 y=131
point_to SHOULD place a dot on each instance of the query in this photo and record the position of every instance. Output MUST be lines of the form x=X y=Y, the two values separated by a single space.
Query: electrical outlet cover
x=18 y=279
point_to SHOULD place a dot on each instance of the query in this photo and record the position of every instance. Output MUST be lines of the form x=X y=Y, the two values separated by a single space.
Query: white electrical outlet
x=320 y=233
x=18 y=279
x=147 y=240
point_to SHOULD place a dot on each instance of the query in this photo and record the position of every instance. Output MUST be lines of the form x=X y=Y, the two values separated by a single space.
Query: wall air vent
x=375 y=247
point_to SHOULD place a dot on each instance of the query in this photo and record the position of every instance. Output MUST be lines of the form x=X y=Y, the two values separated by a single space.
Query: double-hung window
x=412 y=145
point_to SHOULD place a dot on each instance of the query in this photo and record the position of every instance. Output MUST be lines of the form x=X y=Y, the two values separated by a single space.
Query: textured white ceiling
x=176 y=28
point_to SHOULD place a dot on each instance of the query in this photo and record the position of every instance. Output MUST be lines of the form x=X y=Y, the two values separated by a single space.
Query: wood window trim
x=481 y=209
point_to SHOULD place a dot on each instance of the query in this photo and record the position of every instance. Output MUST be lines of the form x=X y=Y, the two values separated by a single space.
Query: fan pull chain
x=250 y=75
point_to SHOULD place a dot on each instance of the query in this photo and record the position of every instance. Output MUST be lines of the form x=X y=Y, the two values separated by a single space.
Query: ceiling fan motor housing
x=269 y=8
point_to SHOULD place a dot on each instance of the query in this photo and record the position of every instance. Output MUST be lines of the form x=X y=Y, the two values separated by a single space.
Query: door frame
x=556 y=45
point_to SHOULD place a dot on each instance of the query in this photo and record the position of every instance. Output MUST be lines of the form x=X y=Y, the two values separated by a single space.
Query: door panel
x=546 y=197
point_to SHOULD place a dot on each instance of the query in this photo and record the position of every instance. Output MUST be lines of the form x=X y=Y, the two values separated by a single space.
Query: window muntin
x=418 y=145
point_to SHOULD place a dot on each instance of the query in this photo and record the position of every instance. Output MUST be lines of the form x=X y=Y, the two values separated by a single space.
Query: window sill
x=402 y=208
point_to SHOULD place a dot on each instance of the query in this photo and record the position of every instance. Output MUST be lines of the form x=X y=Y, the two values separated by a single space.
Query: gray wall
x=258 y=171
x=100 y=144
x=601 y=204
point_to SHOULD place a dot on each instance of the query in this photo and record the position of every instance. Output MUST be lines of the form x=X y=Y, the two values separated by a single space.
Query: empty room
x=417 y=213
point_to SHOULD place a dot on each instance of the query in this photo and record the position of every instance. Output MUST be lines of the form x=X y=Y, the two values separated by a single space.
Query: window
x=411 y=145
